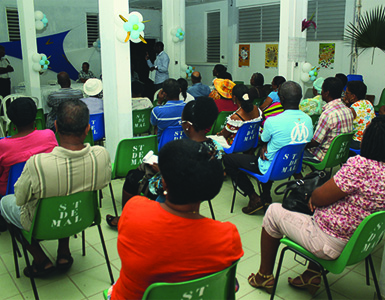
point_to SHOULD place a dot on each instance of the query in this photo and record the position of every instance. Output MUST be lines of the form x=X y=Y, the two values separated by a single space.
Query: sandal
x=110 y=219
x=64 y=266
x=309 y=285
x=41 y=271
x=250 y=209
x=255 y=284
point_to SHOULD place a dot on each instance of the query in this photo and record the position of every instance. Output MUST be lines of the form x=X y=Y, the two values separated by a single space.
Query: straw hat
x=317 y=84
x=93 y=86
x=224 y=87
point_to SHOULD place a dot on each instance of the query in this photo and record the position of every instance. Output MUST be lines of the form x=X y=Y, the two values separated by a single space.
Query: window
x=329 y=16
x=258 y=24
x=213 y=37
x=92 y=28
x=13 y=24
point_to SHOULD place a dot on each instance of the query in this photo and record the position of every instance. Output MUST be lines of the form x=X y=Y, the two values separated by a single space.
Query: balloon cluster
x=133 y=29
x=177 y=35
x=41 y=20
x=189 y=71
x=309 y=72
x=96 y=44
x=40 y=62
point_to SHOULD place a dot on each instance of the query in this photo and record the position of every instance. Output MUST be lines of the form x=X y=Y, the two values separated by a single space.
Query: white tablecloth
x=45 y=91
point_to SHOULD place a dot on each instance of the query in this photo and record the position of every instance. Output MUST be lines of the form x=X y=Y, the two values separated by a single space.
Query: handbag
x=298 y=192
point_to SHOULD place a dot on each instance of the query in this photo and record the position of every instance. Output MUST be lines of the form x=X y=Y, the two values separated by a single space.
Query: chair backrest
x=245 y=138
x=130 y=152
x=39 y=124
x=355 y=77
x=97 y=126
x=171 y=133
x=40 y=116
x=365 y=238
x=14 y=174
x=220 y=121
x=220 y=285
x=338 y=151
x=141 y=120
x=286 y=162
x=381 y=102
x=314 y=119
x=239 y=82
x=60 y=217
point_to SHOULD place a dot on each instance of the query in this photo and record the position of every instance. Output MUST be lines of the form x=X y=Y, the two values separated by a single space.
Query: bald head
x=64 y=79
x=196 y=77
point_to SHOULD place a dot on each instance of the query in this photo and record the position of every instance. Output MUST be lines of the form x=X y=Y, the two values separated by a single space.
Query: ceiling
x=157 y=4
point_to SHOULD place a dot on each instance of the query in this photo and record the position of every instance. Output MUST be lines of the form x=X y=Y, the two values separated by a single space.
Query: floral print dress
x=365 y=113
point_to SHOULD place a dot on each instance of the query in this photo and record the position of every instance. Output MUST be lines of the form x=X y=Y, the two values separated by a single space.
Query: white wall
x=70 y=15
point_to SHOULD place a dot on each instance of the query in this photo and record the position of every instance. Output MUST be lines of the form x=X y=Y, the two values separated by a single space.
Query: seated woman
x=363 y=110
x=256 y=91
x=273 y=97
x=171 y=241
x=224 y=88
x=246 y=112
x=27 y=142
x=220 y=71
x=339 y=206
x=186 y=97
x=196 y=117
x=313 y=106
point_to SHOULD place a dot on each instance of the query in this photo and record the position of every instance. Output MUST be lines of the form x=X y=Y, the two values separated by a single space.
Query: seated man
x=64 y=94
x=85 y=73
x=139 y=102
x=335 y=119
x=93 y=88
x=76 y=166
x=198 y=89
x=170 y=113
x=290 y=127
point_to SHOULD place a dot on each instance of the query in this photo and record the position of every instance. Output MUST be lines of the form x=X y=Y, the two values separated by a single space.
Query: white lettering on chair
x=137 y=154
x=67 y=215
x=372 y=241
x=197 y=295
x=292 y=163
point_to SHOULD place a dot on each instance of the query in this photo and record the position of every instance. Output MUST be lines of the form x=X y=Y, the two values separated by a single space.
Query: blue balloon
x=44 y=20
x=44 y=57
x=127 y=26
x=45 y=67
x=312 y=78
x=42 y=62
x=311 y=73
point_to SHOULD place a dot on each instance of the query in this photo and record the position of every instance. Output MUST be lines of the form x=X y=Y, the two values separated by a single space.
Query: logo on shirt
x=299 y=134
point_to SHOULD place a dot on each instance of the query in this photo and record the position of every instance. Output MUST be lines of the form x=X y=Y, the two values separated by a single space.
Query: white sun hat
x=93 y=86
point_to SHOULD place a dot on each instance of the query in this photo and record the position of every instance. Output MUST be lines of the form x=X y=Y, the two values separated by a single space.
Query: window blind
x=92 y=28
x=213 y=36
x=13 y=24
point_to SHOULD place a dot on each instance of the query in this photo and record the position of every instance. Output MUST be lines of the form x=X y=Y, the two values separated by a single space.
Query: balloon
x=39 y=15
x=44 y=57
x=173 y=31
x=36 y=67
x=134 y=35
x=47 y=62
x=312 y=78
x=39 y=25
x=36 y=57
x=45 y=21
x=315 y=73
x=121 y=35
x=95 y=44
x=306 y=67
x=175 y=39
x=311 y=73
x=45 y=67
x=42 y=62
x=305 y=77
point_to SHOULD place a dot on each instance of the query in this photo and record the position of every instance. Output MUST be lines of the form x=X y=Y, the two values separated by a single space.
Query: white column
x=28 y=45
x=173 y=16
x=291 y=16
x=116 y=75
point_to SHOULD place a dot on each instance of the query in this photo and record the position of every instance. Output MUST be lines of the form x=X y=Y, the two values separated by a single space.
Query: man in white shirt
x=160 y=65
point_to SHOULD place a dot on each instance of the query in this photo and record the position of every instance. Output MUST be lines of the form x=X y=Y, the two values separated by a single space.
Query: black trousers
x=5 y=87
x=232 y=164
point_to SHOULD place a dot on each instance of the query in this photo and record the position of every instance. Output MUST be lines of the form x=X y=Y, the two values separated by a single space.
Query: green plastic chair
x=367 y=235
x=220 y=122
x=12 y=129
x=258 y=101
x=40 y=116
x=381 y=102
x=220 y=285
x=239 y=82
x=141 y=121
x=61 y=217
x=314 y=119
x=129 y=155
x=337 y=153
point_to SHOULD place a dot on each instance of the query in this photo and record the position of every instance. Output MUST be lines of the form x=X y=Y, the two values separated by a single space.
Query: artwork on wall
x=327 y=55
x=271 y=56
x=244 y=56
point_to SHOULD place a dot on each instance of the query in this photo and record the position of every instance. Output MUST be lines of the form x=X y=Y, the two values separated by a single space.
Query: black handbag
x=300 y=191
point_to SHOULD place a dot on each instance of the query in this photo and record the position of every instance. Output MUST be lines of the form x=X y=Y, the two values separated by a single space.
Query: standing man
x=85 y=73
x=198 y=89
x=5 y=68
x=64 y=94
x=160 y=65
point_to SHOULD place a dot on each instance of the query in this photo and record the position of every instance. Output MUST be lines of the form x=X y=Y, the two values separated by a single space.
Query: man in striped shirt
x=70 y=168
x=169 y=114
x=64 y=94
x=335 y=119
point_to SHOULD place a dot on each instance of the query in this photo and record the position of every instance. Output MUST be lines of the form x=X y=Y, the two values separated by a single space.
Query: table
x=45 y=91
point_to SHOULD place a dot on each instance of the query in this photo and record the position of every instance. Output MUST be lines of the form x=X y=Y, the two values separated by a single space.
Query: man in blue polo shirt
x=290 y=127
x=169 y=114
x=198 y=89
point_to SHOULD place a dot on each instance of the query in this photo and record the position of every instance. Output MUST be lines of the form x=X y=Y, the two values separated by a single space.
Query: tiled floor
x=88 y=276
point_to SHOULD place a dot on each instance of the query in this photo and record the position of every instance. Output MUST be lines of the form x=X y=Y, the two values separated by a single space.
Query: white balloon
x=305 y=77
x=95 y=44
x=39 y=25
x=183 y=68
x=121 y=35
x=39 y=15
x=175 y=39
x=36 y=57
x=306 y=67
x=36 y=67
x=173 y=31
